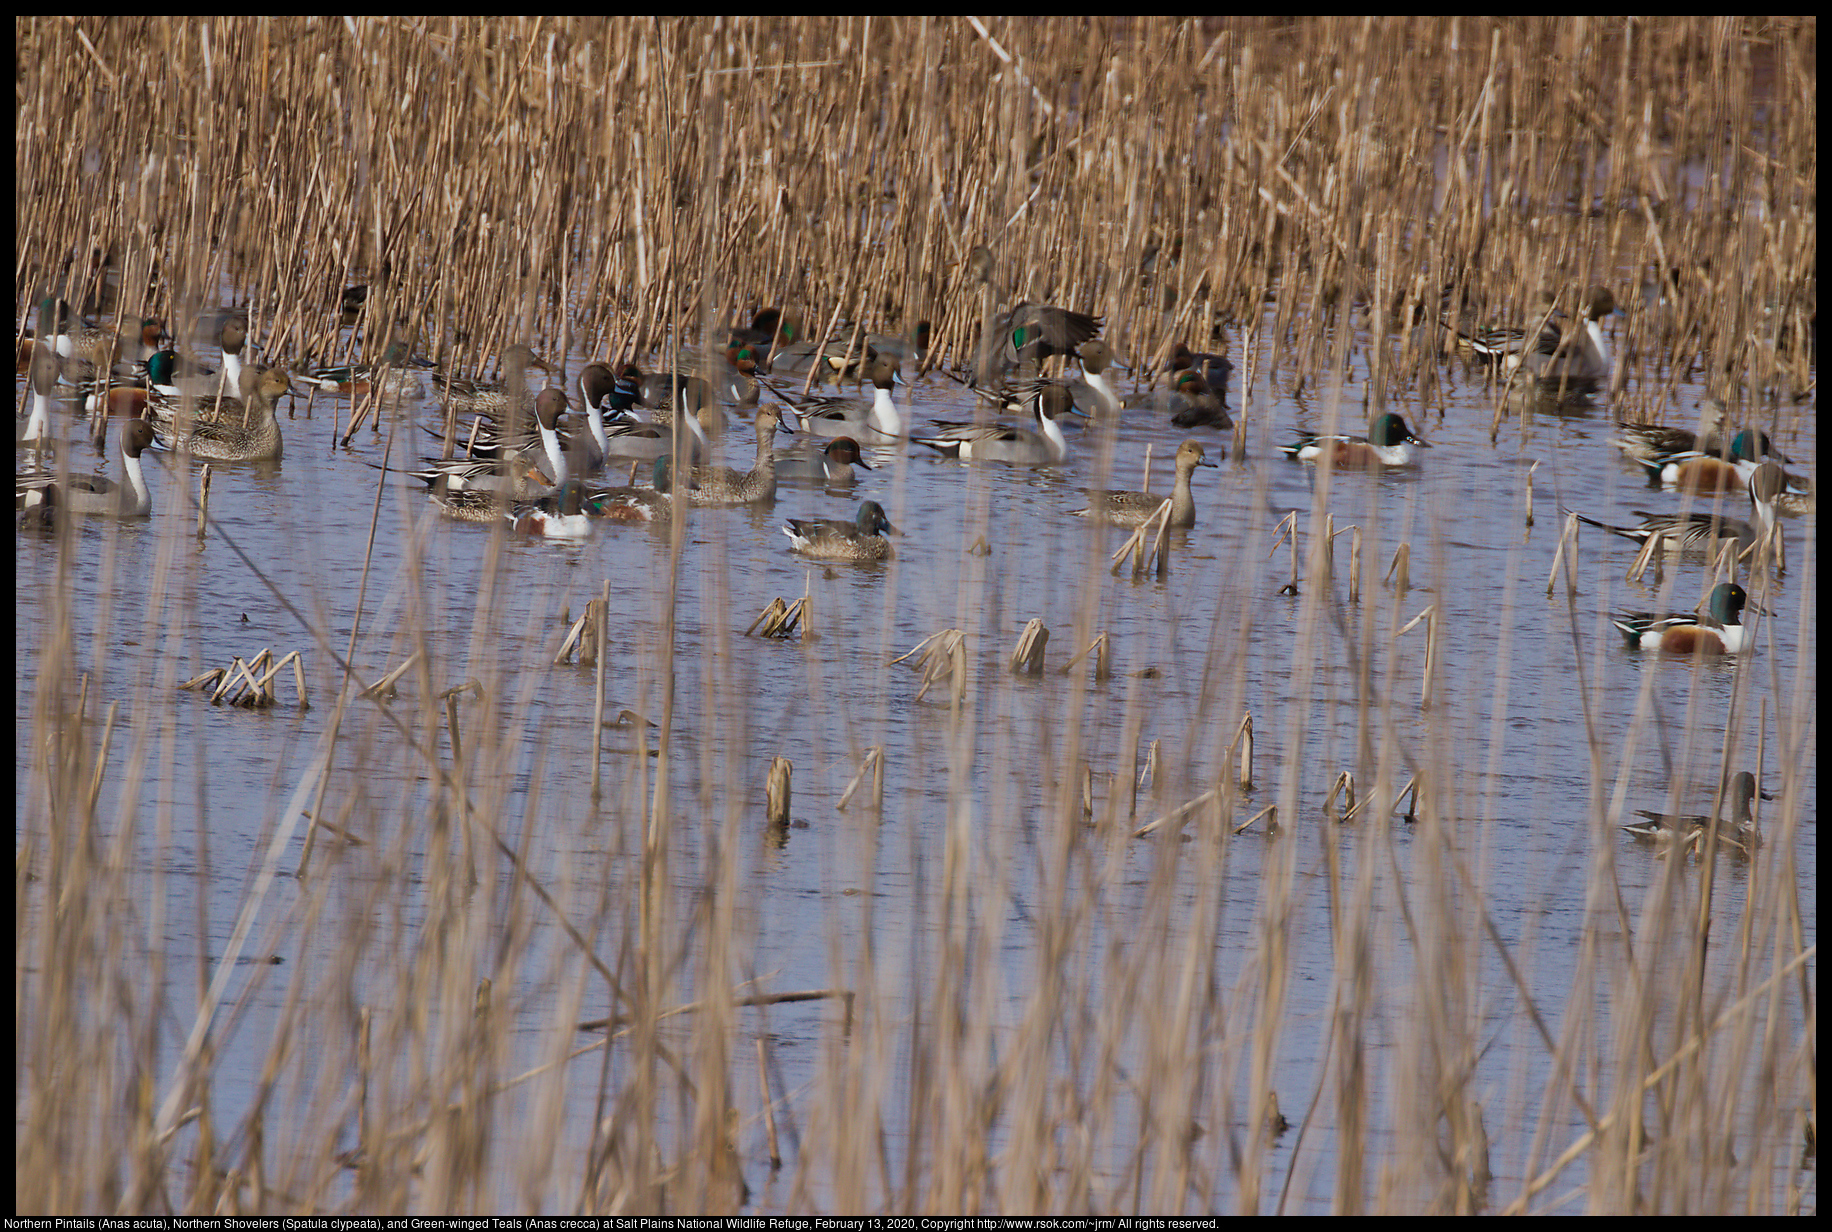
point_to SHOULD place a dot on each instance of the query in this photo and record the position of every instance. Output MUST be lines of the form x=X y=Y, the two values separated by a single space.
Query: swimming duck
x=995 y=442
x=1135 y=508
x=1722 y=632
x=1694 y=471
x=395 y=375
x=861 y=539
x=34 y=431
x=518 y=477
x=1092 y=392
x=559 y=516
x=767 y=324
x=95 y=494
x=1740 y=833
x=1702 y=531
x=1215 y=369
x=252 y=435
x=1585 y=358
x=722 y=485
x=632 y=504
x=1387 y=444
x=850 y=417
x=470 y=395
x=1185 y=387
x=831 y=467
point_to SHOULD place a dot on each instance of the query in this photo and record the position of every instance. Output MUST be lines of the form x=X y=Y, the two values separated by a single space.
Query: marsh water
x=1527 y=686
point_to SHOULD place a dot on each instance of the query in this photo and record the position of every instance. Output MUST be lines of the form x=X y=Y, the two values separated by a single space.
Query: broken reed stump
x=249 y=684
x=779 y=619
x=778 y=791
x=1027 y=659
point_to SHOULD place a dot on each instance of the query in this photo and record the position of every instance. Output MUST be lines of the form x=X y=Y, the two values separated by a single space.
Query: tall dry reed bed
x=613 y=187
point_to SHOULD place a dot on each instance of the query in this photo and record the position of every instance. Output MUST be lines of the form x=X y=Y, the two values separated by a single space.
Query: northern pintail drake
x=831 y=467
x=35 y=429
x=559 y=516
x=1388 y=443
x=518 y=477
x=1739 y=833
x=1007 y=443
x=239 y=432
x=878 y=420
x=633 y=504
x=608 y=400
x=1135 y=508
x=1092 y=392
x=1683 y=532
x=233 y=339
x=721 y=485
x=395 y=375
x=860 y=539
x=1584 y=357
x=1721 y=632
x=671 y=395
x=95 y=494
x=39 y=517
x=1027 y=332
x=512 y=390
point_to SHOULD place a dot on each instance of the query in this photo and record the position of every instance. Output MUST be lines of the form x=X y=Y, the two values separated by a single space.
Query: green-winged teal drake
x=861 y=539
x=1135 y=508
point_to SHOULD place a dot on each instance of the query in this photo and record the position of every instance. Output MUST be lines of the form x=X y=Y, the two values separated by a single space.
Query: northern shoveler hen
x=1135 y=508
x=1387 y=444
x=995 y=442
x=861 y=539
x=1740 y=833
x=1721 y=632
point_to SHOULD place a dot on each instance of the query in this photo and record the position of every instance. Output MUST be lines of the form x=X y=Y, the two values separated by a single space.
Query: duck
x=994 y=442
x=1740 y=834
x=519 y=477
x=1136 y=508
x=1721 y=632
x=34 y=431
x=1388 y=443
x=395 y=375
x=608 y=399
x=471 y=395
x=1645 y=442
x=861 y=539
x=1026 y=333
x=767 y=324
x=244 y=431
x=633 y=504
x=558 y=516
x=1585 y=358
x=850 y=417
x=40 y=516
x=1185 y=387
x=722 y=485
x=664 y=393
x=1696 y=471
x=1684 y=532
x=831 y=467
x=1215 y=369
x=910 y=345
x=98 y=495
x=1092 y=391
x=1206 y=410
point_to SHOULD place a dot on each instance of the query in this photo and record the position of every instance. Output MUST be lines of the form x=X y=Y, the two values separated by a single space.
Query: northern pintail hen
x=1721 y=632
x=878 y=420
x=253 y=435
x=1387 y=444
x=831 y=467
x=512 y=390
x=995 y=442
x=722 y=485
x=1136 y=508
x=1740 y=832
x=1027 y=332
x=861 y=539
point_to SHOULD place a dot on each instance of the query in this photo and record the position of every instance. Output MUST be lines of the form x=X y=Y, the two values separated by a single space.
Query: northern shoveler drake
x=395 y=375
x=96 y=494
x=831 y=467
x=228 y=430
x=849 y=416
x=1696 y=471
x=722 y=485
x=559 y=516
x=1387 y=444
x=861 y=539
x=1027 y=332
x=633 y=504
x=994 y=442
x=1135 y=508
x=1741 y=832
x=467 y=395
x=1721 y=632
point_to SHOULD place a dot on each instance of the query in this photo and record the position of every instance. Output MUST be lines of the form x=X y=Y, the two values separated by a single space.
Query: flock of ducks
x=517 y=463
